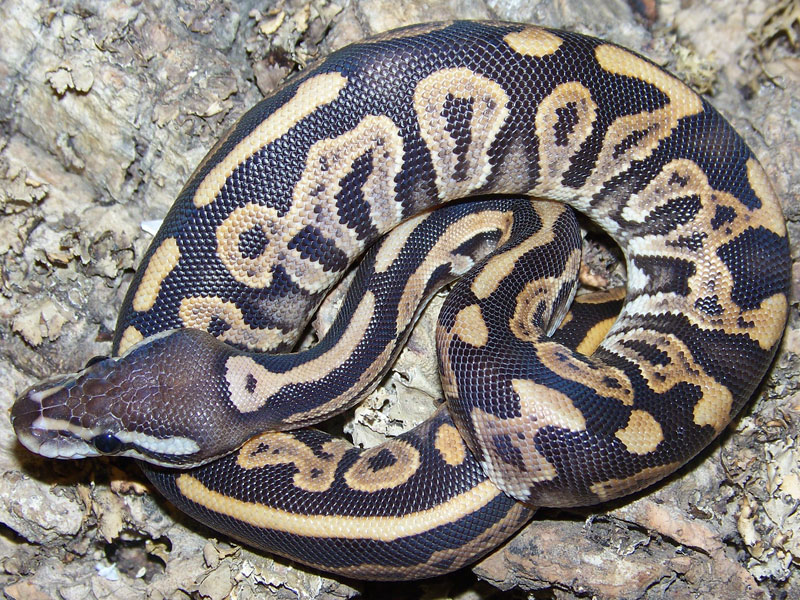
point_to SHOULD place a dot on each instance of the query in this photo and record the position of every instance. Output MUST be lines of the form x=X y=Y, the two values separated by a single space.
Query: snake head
x=142 y=404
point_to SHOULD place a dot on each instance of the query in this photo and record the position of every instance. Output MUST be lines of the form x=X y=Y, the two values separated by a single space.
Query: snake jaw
x=64 y=439
x=53 y=431
x=92 y=413
x=138 y=405
x=36 y=432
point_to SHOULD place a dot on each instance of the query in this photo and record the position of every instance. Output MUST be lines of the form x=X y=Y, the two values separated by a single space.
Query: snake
x=438 y=151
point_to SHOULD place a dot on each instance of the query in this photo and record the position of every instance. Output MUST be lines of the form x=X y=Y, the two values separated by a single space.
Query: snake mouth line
x=52 y=442
x=63 y=439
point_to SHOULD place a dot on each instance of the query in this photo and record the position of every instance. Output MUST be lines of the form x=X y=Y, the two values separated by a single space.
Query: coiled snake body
x=309 y=178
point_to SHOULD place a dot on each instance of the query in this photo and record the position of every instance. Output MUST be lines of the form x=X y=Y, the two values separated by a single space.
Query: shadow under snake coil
x=308 y=179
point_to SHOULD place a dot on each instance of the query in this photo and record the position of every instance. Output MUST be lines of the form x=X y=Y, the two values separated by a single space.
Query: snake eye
x=94 y=360
x=107 y=443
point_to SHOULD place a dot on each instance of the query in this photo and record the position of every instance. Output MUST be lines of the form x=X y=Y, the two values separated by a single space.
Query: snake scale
x=309 y=179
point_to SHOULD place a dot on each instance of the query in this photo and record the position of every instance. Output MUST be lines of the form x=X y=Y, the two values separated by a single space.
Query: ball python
x=308 y=179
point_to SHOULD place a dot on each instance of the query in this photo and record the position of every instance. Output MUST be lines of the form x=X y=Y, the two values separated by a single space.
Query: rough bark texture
x=105 y=109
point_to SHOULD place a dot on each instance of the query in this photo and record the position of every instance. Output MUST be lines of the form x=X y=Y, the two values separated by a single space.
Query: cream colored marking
x=314 y=204
x=173 y=446
x=450 y=445
x=161 y=264
x=176 y=445
x=677 y=179
x=310 y=95
x=544 y=292
x=442 y=253
x=540 y=407
x=623 y=62
x=50 y=424
x=513 y=172
x=498 y=531
x=607 y=381
x=594 y=336
x=130 y=337
x=367 y=380
x=198 y=312
x=148 y=340
x=381 y=528
x=642 y=434
x=711 y=278
x=255 y=272
x=770 y=215
x=616 y=488
x=362 y=477
x=769 y=320
x=40 y=396
x=489 y=113
x=394 y=242
x=500 y=265
x=470 y=326
x=533 y=41
x=330 y=160
x=535 y=293
x=52 y=448
x=545 y=406
x=242 y=371
x=653 y=126
x=314 y=473
x=555 y=159
x=714 y=408
x=711 y=281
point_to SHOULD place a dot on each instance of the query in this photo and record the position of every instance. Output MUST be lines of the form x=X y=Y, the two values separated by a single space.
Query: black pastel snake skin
x=364 y=144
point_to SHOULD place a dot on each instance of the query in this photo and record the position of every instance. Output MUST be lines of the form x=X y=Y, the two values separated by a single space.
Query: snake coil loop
x=364 y=144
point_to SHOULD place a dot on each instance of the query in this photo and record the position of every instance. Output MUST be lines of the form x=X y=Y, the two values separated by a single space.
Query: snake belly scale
x=310 y=178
